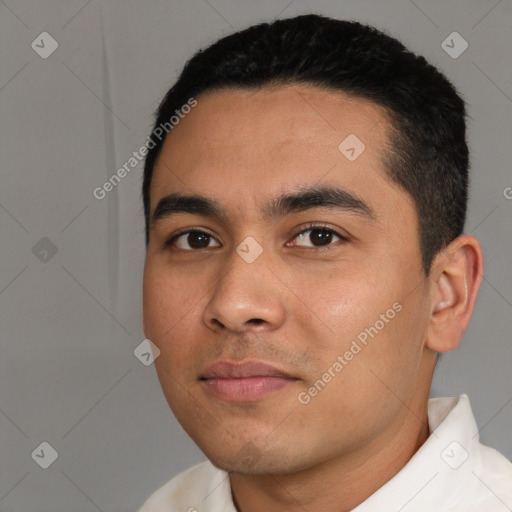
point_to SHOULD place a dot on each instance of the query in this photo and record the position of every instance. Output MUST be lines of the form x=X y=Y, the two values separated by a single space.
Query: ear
x=456 y=275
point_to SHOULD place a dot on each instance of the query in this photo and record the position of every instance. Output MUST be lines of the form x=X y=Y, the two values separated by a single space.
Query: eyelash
x=309 y=227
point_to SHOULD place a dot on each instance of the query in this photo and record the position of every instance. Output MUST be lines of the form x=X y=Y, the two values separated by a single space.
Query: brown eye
x=317 y=237
x=194 y=240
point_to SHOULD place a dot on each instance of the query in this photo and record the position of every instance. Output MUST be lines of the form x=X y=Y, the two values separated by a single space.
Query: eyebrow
x=293 y=202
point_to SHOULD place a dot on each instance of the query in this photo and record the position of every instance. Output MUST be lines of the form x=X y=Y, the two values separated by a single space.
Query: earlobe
x=456 y=277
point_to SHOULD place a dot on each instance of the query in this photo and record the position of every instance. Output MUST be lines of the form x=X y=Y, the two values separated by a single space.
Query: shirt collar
x=438 y=472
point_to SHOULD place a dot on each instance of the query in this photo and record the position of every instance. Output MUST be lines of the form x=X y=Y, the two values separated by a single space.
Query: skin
x=299 y=306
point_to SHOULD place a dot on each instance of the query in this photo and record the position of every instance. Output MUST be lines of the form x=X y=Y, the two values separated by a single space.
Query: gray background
x=71 y=321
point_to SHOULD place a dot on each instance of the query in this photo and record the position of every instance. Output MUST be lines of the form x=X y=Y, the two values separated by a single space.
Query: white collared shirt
x=451 y=472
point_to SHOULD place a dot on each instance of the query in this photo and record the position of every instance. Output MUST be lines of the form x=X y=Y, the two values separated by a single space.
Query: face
x=283 y=281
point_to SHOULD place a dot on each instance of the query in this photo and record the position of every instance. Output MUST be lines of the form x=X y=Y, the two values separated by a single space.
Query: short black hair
x=428 y=155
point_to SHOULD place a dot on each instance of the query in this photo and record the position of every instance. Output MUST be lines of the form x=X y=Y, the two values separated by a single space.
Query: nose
x=246 y=297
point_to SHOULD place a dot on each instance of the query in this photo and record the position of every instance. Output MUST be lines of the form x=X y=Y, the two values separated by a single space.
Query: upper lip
x=242 y=369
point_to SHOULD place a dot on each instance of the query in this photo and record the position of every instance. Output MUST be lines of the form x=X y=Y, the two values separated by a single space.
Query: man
x=305 y=195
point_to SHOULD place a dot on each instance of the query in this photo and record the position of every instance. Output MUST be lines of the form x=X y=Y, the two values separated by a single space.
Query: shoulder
x=494 y=472
x=182 y=491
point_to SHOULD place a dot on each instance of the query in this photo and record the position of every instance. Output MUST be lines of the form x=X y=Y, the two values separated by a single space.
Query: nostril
x=219 y=324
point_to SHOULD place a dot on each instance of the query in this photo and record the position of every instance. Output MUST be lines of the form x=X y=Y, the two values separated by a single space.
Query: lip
x=242 y=369
x=245 y=381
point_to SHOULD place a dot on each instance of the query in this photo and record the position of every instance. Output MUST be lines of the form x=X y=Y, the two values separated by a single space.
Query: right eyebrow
x=173 y=204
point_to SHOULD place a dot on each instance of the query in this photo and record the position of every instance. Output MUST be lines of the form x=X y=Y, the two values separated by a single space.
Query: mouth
x=246 y=381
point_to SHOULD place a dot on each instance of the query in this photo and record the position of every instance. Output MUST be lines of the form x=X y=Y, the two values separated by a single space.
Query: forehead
x=246 y=144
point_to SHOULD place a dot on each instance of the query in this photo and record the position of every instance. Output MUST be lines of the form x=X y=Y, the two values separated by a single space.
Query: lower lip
x=247 y=389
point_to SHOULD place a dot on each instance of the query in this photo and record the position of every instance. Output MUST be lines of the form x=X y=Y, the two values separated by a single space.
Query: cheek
x=369 y=310
x=344 y=305
x=169 y=302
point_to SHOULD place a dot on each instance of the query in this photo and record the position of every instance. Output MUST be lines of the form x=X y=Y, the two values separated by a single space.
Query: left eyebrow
x=317 y=197
x=285 y=204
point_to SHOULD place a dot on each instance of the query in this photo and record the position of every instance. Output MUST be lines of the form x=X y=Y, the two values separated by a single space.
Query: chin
x=246 y=465
x=250 y=460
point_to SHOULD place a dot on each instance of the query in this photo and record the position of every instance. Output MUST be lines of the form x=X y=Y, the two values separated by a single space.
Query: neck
x=342 y=483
